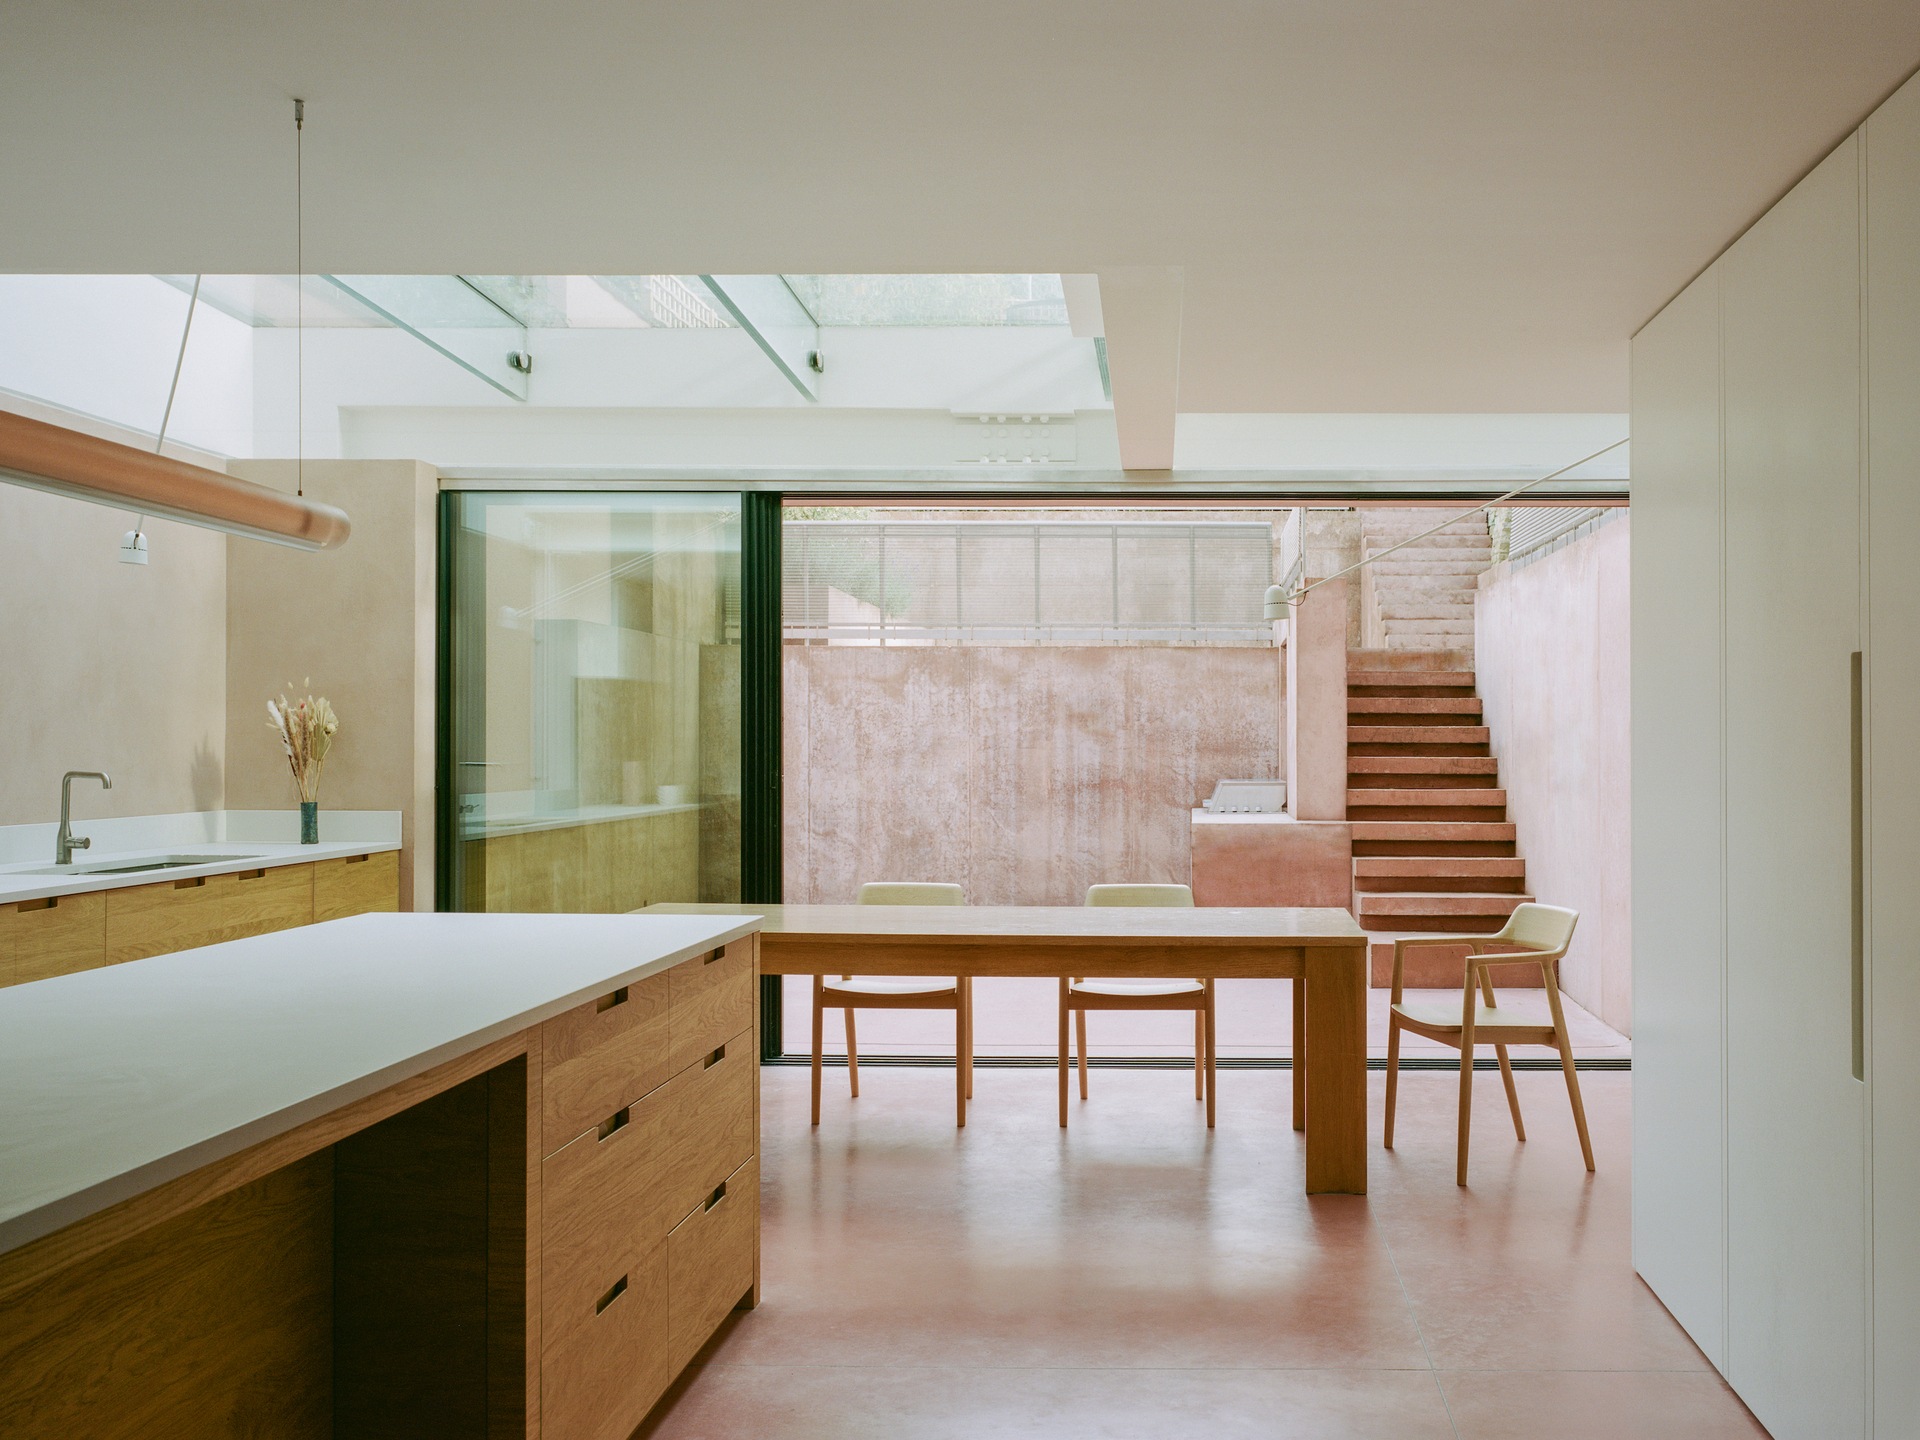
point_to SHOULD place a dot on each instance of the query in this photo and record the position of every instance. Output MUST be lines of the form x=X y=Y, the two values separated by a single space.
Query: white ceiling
x=1378 y=205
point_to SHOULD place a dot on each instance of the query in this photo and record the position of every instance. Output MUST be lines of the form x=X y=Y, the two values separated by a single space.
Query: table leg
x=1299 y=1053
x=1336 y=1071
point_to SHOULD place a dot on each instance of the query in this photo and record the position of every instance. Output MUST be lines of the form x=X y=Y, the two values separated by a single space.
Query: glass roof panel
x=932 y=299
x=271 y=301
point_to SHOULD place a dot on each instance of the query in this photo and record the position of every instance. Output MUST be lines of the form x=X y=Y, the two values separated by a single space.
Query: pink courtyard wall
x=1024 y=773
x=1550 y=639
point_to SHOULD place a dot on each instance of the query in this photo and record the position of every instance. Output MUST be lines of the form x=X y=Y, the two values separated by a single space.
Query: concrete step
x=1375 y=660
x=1431 y=607
x=1410 y=562
x=1415 y=522
x=1449 y=679
x=1426 y=625
x=1422 y=770
x=1419 y=643
x=1467 y=912
x=1431 y=832
x=1428 y=874
x=1428 y=708
x=1416 y=740
x=1428 y=798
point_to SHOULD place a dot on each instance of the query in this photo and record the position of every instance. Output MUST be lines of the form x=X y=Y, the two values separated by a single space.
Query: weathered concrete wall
x=1023 y=773
x=1551 y=639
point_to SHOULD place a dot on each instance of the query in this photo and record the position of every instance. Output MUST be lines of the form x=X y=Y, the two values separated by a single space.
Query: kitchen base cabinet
x=420 y=1262
x=66 y=933
x=55 y=936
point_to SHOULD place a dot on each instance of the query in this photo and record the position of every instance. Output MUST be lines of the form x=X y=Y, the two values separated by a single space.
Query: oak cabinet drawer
x=710 y=1263
x=356 y=885
x=602 y=1055
x=604 y=1203
x=712 y=1001
x=158 y=919
x=711 y=1134
x=599 y=1379
x=55 y=936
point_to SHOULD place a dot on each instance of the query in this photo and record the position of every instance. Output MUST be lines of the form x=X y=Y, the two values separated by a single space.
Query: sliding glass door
x=592 y=700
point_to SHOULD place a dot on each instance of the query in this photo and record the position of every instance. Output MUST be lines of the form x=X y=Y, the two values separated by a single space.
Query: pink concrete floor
x=1020 y=1017
x=1139 y=1277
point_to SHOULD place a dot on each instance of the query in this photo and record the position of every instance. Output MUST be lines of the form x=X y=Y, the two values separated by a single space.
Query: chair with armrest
x=848 y=993
x=1533 y=935
x=1078 y=995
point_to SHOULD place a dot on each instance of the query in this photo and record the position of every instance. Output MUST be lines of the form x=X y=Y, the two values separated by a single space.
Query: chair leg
x=1393 y=1072
x=853 y=1058
x=1080 y=1034
x=1466 y=1111
x=1199 y=1055
x=1573 y=1094
x=1211 y=1072
x=1063 y=1054
x=1513 y=1096
x=819 y=1025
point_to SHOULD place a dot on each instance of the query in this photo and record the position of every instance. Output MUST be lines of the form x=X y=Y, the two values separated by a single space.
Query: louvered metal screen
x=1015 y=583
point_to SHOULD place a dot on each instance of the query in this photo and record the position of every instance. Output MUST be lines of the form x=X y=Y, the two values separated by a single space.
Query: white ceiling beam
x=1140 y=310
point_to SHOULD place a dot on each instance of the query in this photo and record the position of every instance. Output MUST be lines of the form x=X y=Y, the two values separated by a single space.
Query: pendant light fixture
x=66 y=462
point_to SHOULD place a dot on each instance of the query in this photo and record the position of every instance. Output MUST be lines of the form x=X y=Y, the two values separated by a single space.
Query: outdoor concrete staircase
x=1424 y=593
x=1433 y=850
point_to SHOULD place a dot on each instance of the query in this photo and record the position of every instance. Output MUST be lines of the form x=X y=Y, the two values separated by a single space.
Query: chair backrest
x=910 y=892
x=1547 y=928
x=1165 y=895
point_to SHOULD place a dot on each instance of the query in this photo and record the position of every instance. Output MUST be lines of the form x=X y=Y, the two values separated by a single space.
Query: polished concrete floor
x=1138 y=1277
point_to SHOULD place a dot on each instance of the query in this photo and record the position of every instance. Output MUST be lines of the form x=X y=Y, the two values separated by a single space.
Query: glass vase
x=309 y=822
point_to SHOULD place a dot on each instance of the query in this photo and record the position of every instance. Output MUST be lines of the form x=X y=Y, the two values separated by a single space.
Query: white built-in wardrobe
x=1776 y=798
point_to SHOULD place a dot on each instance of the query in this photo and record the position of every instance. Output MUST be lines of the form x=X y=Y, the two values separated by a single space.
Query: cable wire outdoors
x=299 y=300
x=1294 y=597
x=179 y=360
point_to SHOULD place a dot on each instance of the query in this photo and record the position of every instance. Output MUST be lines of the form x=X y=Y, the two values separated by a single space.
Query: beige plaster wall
x=1024 y=773
x=1551 y=640
x=105 y=666
x=358 y=622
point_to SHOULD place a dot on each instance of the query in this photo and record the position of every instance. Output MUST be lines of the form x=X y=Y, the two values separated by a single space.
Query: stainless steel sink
x=135 y=867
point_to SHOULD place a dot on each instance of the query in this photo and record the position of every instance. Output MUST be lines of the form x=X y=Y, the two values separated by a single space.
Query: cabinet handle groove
x=614 y=1123
x=1859 y=837
x=716 y=1197
x=716 y=955
x=619 y=1289
x=607 y=1002
x=715 y=1058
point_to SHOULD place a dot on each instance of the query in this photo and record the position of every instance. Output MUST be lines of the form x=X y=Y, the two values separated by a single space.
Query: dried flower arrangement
x=306 y=728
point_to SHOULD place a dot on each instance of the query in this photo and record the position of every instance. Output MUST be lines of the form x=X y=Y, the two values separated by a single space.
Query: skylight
x=931 y=299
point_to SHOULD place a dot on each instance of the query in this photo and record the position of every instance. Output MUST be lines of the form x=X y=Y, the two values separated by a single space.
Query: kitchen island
x=389 y=1175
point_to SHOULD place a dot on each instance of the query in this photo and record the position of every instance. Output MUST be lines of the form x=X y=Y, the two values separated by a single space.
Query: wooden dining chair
x=1533 y=935
x=848 y=993
x=1078 y=995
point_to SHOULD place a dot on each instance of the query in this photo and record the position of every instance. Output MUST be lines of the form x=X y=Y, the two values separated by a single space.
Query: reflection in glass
x=595 y=700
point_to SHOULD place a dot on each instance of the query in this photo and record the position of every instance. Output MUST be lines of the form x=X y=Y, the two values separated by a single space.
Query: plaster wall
x=1551 y=640
x=105 y=666
x=359 y=624
x=1023 y=773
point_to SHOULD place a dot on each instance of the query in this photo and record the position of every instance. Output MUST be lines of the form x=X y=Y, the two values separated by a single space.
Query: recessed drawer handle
x=607 y=1002
x=190 y=884
x=719 y=954
x=358 y=859
x=716 y=1197
x=47 y=904
x=619 y=1289
x=613 y=1123
x=715 y=1058
x=252 y=874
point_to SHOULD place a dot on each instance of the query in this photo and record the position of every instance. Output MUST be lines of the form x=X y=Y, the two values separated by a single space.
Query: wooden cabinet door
x=146 y=920
x=356 y=885
x=259 y=902
x=56 y=936
x=1795 y=1136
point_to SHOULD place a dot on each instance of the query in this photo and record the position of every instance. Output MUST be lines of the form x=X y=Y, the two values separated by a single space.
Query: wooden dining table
x=1323 y=951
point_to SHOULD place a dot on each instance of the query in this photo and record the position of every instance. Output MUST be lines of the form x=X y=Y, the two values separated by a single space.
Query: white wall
x=1551 y=657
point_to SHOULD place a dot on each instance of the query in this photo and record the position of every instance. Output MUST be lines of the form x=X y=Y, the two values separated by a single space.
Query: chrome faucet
x=68 y=842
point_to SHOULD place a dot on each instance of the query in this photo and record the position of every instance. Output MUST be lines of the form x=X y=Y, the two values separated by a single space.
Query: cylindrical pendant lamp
x=85 y=467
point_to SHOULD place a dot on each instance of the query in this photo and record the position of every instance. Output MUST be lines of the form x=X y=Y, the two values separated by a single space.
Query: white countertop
x=241 y=839
x=113 y=1081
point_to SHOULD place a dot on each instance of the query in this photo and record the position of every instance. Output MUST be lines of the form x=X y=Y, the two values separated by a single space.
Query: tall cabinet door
x=1679 y=1202
x=1795 y=1136
x=1893 y=688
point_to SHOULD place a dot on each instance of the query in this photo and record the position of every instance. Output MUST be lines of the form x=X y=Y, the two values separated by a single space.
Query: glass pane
x=596 y=700
x=932 y=299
